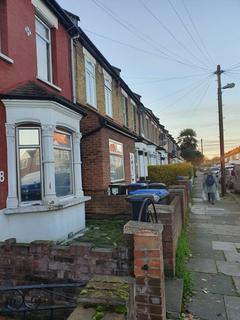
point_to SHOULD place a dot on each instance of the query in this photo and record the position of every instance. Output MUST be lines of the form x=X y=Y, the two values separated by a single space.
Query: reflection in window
x=29 y=155
x=116 y=161
x=63 y=163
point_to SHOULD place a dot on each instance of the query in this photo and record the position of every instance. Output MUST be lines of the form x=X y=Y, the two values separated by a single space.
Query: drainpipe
x=73 y=68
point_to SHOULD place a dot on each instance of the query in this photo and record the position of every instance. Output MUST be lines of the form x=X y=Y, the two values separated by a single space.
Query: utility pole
x=221 y=131
x=201 y=146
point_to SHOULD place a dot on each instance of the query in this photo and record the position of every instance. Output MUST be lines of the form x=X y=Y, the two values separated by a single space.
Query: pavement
x=215 y=262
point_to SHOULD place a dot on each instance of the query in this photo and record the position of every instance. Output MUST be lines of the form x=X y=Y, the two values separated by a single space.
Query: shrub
x=168 y=173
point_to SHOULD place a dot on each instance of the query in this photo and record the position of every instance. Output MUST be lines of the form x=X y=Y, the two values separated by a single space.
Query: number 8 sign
x=2 y=178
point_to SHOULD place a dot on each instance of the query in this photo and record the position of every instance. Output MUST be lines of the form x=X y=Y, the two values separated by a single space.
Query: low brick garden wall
x=170 y=216
x=105 y=204
x=43 y=261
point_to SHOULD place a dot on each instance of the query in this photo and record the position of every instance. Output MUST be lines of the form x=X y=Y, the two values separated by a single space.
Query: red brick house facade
x=40 y=165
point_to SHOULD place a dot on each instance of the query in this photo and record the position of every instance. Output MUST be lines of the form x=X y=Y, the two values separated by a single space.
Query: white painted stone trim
x=49 y=115
x=45 y=13
x=49 y=84
x=132 y=102
x=88 y=56
x=6 y=58
x=106 y=75
x=124 y=93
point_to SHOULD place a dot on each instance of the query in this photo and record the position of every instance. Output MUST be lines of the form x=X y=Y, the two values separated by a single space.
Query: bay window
x=32 y=174
x=43 y=44
x=29 y=164
x=116 y=161
x=63 y=163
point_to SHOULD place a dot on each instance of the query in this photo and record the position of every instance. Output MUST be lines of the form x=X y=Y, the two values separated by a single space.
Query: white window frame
x=48 y=115
x=117 y=154
x=125 y=110
x=48 y=41
x=91 y=97
x=18 y=147
x=108 y=94
x=72 y=156
x=134 y=120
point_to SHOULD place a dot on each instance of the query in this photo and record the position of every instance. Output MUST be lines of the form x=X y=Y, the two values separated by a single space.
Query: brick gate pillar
x=148 y=270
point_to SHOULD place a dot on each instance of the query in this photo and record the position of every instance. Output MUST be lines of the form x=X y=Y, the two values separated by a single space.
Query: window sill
x=6 y=58
x=91 y=105
x=45 y=208
x=50 y=84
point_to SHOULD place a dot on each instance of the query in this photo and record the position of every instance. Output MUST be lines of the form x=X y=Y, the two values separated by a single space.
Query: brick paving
x=215 y=261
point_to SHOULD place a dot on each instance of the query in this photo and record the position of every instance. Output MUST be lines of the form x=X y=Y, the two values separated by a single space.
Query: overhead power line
x=142 y=36
x=171 y=34
x=198 y=33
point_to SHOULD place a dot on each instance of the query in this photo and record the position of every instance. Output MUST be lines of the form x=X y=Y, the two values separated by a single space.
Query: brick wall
x=104 y=204
x=180 y=190
x=148 y=270
x=170 y=216
x=45 y=262
x=3 y=158
x=96 y=158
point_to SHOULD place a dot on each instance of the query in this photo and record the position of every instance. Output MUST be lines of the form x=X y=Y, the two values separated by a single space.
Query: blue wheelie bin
x=137 y=198
x=136 y=186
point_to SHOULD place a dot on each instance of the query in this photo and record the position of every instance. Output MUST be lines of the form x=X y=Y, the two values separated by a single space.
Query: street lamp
x=221 y=132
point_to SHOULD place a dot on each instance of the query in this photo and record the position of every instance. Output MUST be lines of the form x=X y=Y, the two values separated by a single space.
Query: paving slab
x=228 y=268
x=207 y=306
x=196 y=209
x=174 y=294
x=202 y=265
x=236 y=281
x=217 y=229
x=225 y=246
x=232 y=305
x=213 y=283
x=232 y=256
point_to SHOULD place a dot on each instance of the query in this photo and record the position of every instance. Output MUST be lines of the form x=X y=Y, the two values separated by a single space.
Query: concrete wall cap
x=134 y=227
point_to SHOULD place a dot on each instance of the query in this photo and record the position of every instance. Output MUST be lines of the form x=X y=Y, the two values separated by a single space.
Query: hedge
x=168 y=173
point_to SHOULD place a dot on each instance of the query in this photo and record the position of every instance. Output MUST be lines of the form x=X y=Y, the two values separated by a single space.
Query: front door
x=132 y=167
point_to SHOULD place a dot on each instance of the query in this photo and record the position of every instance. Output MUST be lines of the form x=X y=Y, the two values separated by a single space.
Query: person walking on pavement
x=210 y=187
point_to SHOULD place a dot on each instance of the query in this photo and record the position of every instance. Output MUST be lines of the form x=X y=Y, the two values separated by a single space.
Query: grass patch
x=182 y=255
x=105 y=232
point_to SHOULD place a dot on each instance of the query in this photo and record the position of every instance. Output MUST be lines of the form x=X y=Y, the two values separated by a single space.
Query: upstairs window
x=90 y=82
x=43 y=43
x=108 y=96
x=125 y=110
x=134 y=126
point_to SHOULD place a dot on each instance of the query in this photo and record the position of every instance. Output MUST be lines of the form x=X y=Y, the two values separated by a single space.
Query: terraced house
x=41 y=193
x=69 y=124
x=121 y=137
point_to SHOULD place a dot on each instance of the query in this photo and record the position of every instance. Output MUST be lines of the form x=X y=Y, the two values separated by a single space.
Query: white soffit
x=45 y=13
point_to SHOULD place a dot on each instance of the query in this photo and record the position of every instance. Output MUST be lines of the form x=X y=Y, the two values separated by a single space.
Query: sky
x=168 y=51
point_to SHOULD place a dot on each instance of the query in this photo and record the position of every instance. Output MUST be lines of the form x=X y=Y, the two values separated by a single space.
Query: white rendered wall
x=49 y=225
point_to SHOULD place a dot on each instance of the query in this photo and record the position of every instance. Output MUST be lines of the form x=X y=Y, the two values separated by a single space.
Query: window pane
x=63 y=172
x=28 y=137
x=43 y=57
x=116 y=167
x=62 y=140
x=115 y=147
x=42 y=30
x=30 y=177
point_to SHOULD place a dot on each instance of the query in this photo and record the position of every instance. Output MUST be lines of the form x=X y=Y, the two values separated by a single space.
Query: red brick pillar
x=148 y=270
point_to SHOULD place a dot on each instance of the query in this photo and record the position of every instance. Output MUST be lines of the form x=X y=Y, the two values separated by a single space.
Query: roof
x=63 y=17
x=33 y=91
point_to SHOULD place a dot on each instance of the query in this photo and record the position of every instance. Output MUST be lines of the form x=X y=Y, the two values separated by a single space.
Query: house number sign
x=2 y=178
